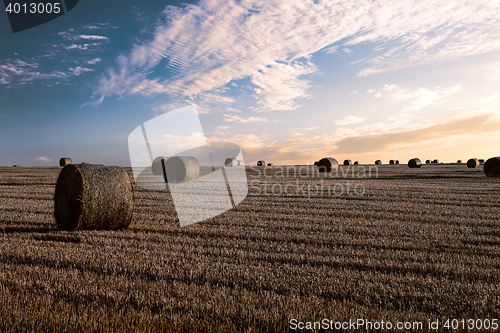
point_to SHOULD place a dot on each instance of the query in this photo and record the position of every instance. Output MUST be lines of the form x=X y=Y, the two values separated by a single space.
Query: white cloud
x=17 y=71
x=354 y=92
x=332 y=49
x=370 y=91
x=92 y=37
x=42 y=158
x=349 y=120
x=93 y=61
x=422 y=97
x=347 y=50
x=378 y=94
x=215 y=42
x=238 y=119
x=79 y=70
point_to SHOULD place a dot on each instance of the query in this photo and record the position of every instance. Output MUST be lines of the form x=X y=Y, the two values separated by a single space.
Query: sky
x=290 y=81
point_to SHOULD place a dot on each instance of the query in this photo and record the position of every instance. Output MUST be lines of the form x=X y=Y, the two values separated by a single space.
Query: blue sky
x=289 y=81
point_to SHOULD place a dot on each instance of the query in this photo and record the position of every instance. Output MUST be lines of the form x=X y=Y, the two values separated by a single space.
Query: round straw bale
x=459 y=162
x=378 y=162
x=414 y=163
x=316 y=163
x=481 y=161
x=356 y=162
x=397 y=161
x=65 y=161
x=270 y=164
x=436 y=161
x=473 y=163
x=391 y=162
x=181 y=169
x=261 y=163
x=347 y=162
x=492 y=167
x=231 y=162
x=157 y=166
x=90 y=196
x=427 y=161
x=16 y=166
x=328 y=164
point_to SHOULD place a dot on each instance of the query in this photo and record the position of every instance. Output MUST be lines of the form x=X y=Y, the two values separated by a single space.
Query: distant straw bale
x=231 y=162
x=473 y=163
x=328 y=164
x=347 y=162
x=65 y=161
x=261 y=163
x=181 y=169
x=414 y=163
x=392 y=162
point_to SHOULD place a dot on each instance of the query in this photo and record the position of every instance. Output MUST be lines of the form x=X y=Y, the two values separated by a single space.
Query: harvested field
x=418 y=245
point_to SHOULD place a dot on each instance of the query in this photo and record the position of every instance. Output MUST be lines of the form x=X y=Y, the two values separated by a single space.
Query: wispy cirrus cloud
x=212 y=43
x=349 y=120
x=238 y=119
x=422 y=97
x=42 y=158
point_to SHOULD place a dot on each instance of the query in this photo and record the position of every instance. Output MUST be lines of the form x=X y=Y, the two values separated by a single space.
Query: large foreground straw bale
x=492 y=167
x=414 y=163
x=90 y=196
x=328 y=164
x=65 y=161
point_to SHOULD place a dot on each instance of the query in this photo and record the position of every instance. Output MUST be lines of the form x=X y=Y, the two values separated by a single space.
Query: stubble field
x=418 y=245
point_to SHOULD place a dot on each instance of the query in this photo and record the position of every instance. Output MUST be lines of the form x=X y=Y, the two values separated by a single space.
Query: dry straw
x=473 y=163
x=436 y=161
x=356 y=162
x=459 y=162
x=261 y=163
x=65 y=161
x=90 y=196
x=328 y=164
x=492 y=167
x=270 y=164
x=347 y=162
x=392 y=162
x=378 y=162
x=397 y=161
x=427 y=161
x=414 y=163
